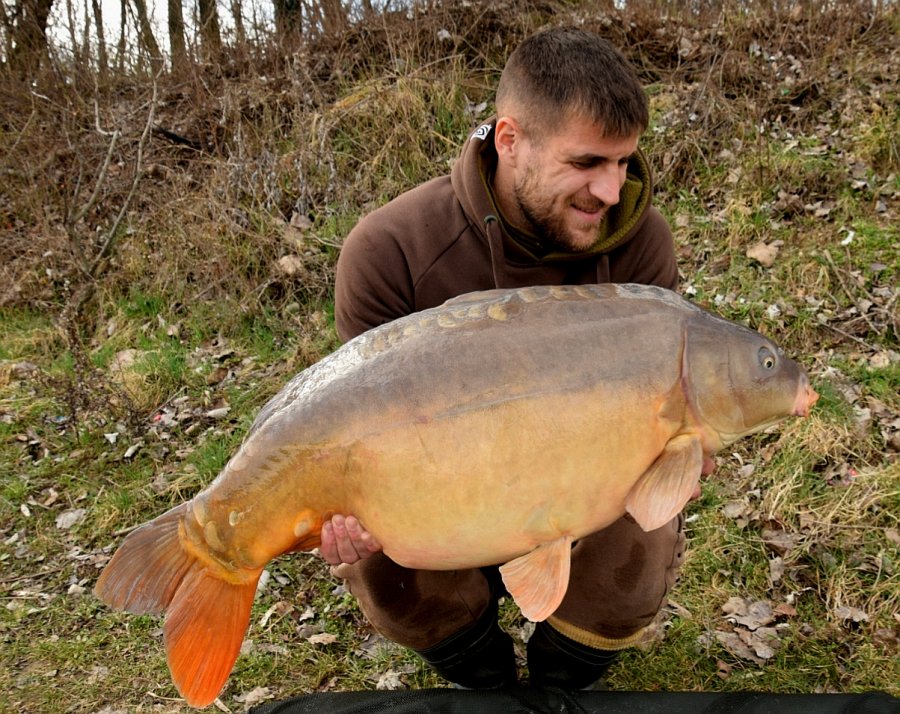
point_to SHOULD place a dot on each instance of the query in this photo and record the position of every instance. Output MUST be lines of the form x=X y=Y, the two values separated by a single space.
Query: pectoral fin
x=538 y=580
x=665 y=488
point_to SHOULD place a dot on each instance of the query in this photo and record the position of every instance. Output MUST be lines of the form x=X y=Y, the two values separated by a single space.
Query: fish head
x=739 y=382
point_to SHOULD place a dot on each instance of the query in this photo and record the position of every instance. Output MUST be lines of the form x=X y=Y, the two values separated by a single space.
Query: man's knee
x=416 y=608
x=620 y=579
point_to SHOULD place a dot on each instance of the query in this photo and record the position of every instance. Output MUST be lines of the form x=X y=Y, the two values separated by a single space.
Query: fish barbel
x=496 y=428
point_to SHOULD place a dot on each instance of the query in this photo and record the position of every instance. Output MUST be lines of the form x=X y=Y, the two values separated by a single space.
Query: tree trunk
x=146 y=38
x=237 y=13
x=120 y=49
x=177 y=45
x=6 y=25
x=334 y=17
x=72 y=27
x=102 y=56
x=29 y=35
x=288 y=22
x=209 y=29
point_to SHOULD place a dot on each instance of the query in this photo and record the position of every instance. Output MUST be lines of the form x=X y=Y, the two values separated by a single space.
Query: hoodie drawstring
x=603 y=275
x=495 y=244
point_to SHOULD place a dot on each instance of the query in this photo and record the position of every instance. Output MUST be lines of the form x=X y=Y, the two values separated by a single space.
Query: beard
x=548 y=217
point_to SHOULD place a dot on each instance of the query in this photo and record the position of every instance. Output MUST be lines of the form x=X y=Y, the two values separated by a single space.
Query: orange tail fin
x=206 y=616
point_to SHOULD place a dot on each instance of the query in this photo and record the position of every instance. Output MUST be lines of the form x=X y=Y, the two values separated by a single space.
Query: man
x=553 y=190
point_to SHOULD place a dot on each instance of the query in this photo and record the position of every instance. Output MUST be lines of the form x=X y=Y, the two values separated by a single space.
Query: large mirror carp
x=496 y=428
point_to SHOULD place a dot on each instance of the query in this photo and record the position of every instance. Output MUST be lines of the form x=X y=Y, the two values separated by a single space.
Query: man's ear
x=508 y=139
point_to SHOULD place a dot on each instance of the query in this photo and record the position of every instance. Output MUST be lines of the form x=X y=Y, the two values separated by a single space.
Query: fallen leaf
x=52 y=496
x=374 y=646
x=780 y=541
x=217 y=375
x=125 y=359
x=255 y=696
x=736 y=646
x=776 y=569
x=291 y=265
x=735 y=509
x=785 y=610
x=765 y=642
x=759 y=614
x=97 y=674
x=328 y=686
x=735 y=606
x=763 y=253
x=390 y=681
x=885 y=637
x=66 y=520
x=844 y=613
x=322 y=638
x=723 y=669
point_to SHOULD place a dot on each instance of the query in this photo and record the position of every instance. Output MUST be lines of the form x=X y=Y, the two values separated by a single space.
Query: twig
x=126 y=530
x=32 y=576
x=847 y=292
x=178 y=138
x=100 y=179
x=865 y=344
x=138 y=169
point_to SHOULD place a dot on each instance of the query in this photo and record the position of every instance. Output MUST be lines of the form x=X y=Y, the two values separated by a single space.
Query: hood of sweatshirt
x=471 y=178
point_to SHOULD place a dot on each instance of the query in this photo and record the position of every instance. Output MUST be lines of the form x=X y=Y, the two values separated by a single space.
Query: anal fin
x=539 y=579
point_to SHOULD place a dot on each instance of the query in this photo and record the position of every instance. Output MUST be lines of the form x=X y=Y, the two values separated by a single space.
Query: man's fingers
x=328 y=547
x=344 y=540
x=345 y=547
x=363 y=542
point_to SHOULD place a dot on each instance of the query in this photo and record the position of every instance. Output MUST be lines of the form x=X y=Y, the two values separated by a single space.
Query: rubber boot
x=558 y=661
x=480 y=657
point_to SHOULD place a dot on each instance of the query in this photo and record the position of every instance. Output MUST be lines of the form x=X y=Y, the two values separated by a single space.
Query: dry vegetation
x=167 y=259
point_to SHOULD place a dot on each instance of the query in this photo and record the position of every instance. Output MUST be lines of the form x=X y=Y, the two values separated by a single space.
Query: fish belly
x=482 y=488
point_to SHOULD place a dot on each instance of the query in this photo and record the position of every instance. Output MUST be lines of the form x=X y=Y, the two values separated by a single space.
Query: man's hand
x=709 y=465
x=344 y=540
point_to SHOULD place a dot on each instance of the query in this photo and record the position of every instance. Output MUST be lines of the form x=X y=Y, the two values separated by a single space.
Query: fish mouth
x=806 y=397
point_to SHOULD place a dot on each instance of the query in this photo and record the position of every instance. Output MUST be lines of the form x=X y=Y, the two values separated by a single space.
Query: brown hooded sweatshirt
x=447 y=237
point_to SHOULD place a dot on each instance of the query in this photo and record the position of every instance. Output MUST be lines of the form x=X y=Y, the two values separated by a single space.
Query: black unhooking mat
x=558 y=701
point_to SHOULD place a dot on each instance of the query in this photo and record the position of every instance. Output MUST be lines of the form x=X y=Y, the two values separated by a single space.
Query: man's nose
x=605 y=185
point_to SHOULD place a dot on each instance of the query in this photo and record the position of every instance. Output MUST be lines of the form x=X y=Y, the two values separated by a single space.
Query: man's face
x=565 y=184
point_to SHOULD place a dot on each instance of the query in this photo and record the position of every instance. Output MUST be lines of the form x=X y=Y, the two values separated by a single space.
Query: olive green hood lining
x=634 y=199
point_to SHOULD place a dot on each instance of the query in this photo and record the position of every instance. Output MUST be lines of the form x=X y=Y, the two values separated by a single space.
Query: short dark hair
x=566 y=71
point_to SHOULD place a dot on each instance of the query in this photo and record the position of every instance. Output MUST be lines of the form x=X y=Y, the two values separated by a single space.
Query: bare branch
x=112 y=233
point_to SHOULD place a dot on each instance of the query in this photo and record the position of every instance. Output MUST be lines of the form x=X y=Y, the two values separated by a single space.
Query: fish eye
x=766 y=358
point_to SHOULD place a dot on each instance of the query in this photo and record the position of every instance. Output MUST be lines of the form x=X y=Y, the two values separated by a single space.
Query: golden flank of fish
x=496 y=428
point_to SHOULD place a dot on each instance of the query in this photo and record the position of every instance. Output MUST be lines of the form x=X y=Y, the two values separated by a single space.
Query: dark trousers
x=619 y=581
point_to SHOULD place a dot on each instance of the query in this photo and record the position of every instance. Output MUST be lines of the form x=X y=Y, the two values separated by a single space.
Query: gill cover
x=737 y=381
